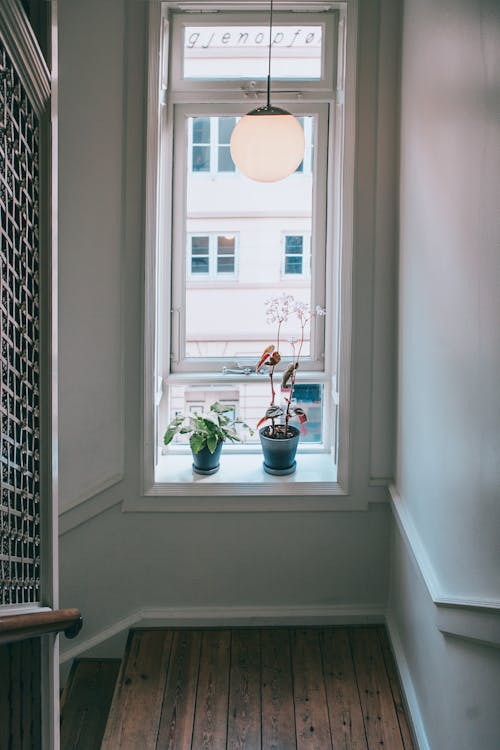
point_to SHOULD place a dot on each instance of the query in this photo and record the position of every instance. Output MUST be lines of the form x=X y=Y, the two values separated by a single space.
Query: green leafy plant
x=206 y=430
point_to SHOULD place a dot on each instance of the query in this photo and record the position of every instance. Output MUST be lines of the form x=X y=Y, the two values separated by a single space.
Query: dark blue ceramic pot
x=279 y=453
x=205 y=462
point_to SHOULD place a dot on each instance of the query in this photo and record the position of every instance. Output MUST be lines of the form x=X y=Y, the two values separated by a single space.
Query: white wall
x=90 y=238
x=449 y=409
x=114 y=563
x=448 y=477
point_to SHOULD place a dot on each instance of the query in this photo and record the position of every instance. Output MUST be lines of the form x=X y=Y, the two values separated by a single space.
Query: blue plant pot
x=279 y=453
x=205 y=462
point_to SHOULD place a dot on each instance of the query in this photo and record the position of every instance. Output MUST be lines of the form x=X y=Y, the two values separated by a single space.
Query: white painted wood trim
x=94 y=506
x=166 y=617
x=466 y=617
x=25 y=54
x=346 y=124
x=91 y=492
x=345 y=135
x=410 y=696
x=152 y=232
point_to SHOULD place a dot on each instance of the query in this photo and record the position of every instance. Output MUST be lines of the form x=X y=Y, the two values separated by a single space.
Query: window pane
x=225 y=245
x=199 y=255
x=201 y=158
x=199 y=245
x=294 y=244
x=293 y=265
x=250 y=401
x=225 y=161
x=225 y=265
x=227 y=52
x=226 y=127
x=232 y=321
x=199 y=265
x=225 y=254
x=201 y=130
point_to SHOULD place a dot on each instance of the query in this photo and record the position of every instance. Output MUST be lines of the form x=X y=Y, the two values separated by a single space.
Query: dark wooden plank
x=379 y=714
x=86 y=703
x=135 y=713
x=36 y=678
x=210 y=722
x=29 y=687
x=344 y=707
x=311 y=710
x=177 y=716
x=244 y=720
x=5 y=697
x=278 y=714
x=16 y=680
x=397 y=697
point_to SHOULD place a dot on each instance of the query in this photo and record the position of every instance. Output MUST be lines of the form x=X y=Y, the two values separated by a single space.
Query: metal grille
x=20 y=340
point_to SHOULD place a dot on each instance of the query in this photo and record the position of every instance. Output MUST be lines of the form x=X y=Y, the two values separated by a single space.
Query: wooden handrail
x=33 y=624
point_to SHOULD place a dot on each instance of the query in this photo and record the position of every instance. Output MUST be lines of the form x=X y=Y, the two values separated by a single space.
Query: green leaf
x=197 y=442
x=220 y=408
x=169 y=435
x=212 y=443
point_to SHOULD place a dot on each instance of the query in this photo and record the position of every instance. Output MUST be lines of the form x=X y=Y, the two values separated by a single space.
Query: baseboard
x=410 y=697
x=158 y=617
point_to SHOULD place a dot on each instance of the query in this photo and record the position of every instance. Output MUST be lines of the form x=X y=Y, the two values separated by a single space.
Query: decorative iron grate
x=20 y=341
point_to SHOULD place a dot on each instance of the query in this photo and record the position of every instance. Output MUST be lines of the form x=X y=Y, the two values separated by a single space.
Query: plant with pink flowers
x=279 y=310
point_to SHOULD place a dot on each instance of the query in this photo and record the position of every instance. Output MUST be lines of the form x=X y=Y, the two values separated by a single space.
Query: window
x=209 y=144
x=225 y=244
x=212 y=255
x=296 y=257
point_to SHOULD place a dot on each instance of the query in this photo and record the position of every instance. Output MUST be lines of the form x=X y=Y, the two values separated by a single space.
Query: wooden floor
x=258 y=689
x=86 y=702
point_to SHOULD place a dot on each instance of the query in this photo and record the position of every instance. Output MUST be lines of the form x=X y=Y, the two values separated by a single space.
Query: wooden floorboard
x=258 y=689
x=135 y=715
x=177 y=715
x=278 y=710
x=244 y=720
x=86 y=702
x=379 y=713
x=311 y=709
x=344 y=707
x=210 y=724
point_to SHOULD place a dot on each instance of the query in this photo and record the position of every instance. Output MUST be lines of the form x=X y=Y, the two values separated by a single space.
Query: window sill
x=242 y=485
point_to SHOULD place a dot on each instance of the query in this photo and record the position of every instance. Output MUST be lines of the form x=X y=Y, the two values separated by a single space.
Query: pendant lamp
x=267 y=144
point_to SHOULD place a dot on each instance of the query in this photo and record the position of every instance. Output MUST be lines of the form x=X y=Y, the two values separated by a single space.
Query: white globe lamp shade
x=267 y=144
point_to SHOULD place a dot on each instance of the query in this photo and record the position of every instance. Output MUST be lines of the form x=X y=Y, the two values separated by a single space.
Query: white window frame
x=167 y=483
x=178 y=114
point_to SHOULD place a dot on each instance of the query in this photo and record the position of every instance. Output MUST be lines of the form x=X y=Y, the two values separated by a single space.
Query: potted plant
x=280 y=439
x=207 y=433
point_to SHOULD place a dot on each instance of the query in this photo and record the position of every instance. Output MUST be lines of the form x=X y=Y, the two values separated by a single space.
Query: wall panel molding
x=92 y=491
x=466 y=617
x=97 y=502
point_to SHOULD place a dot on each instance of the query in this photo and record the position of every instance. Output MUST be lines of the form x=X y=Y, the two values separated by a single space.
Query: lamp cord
x=269 y=60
